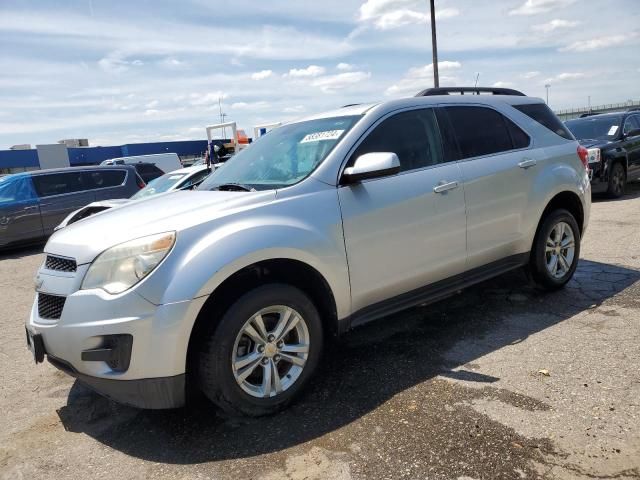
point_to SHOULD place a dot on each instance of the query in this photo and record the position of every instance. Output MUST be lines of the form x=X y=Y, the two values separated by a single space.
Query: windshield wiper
x=231 y=187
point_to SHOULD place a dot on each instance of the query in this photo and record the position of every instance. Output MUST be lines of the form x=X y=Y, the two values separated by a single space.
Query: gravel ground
x=453 y=390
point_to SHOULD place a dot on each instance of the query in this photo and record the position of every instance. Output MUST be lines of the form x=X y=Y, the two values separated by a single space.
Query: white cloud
x=310 y=71
x=534 y=7
x=261 y=75
x=151 y=111
x=152 y=104
x=261 y=105
x=388 y=14
x=170 y=62
x=345 y=67
x=294 y=109
x=597 y=43
x=419 y=78
x=554 y=25
x=331 y=83
x=197 y=99
x=116 y=62
x=562 y=77
x=530 y=75
x=502 y=84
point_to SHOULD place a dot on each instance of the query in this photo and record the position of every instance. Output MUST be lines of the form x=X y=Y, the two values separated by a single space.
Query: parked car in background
x=33 y=203
x=183 y=179
x=322 y=225
x=613 y=144
x=148 y=171
x=167 y=162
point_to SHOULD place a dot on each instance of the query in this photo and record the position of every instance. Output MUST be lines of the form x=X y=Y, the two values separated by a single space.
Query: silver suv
x=321 y=225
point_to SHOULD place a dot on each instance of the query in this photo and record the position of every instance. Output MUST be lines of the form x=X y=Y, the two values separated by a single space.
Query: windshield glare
x=159 y=185
x=596 y=128
x=283 y=157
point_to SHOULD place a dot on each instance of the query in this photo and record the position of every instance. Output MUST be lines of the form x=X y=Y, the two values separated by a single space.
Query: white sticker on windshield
x=319 y=136
x=613 y=130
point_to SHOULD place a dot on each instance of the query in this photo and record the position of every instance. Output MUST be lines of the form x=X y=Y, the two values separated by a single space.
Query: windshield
x=159 y=185
x=284 y=156
x=596 y=128
x=15 y=188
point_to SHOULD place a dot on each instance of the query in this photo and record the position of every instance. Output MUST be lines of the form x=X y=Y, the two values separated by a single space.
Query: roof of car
x=191 y=169
x=67 y=169
x=599 y=115
x=361 y=109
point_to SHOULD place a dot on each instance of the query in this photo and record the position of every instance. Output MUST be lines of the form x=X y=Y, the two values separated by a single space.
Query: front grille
x=60 y=264
x=50 y=306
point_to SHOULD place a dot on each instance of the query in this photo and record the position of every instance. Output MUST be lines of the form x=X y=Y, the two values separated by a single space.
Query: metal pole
x=547 y=87
x=434 y=45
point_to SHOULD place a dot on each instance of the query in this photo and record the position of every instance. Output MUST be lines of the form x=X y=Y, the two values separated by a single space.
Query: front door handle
x=527 y=162
x=445 y=186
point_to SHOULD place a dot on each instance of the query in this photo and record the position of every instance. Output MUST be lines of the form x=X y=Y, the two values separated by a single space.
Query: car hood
x=104 y=204
x=175 y=211
x=591 y=142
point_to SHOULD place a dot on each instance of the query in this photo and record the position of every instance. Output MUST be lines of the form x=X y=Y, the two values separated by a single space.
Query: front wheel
x=262 y=353
x=617 y=181
x=556 y=249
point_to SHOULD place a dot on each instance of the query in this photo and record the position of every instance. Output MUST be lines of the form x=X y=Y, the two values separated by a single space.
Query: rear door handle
x=527 y=162
x=32 y=207
x=445 y=186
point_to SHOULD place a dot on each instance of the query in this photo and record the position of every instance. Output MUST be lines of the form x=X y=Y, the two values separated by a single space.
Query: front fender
x=307 y=228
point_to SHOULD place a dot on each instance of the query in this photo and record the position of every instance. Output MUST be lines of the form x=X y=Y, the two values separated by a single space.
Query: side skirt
x=436 y=291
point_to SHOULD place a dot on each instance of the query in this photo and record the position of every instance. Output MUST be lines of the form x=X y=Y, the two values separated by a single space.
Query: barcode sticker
x=319 y=136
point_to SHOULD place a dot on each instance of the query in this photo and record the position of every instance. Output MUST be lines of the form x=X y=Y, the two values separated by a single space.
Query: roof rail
x=589 y=114
x=350 y=105
x=472 y=90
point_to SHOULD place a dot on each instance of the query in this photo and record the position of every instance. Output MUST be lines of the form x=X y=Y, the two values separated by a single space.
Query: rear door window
x=59 y=183
x=104 y=178
x=542 y=114
x=412 y=135
x=479 y=131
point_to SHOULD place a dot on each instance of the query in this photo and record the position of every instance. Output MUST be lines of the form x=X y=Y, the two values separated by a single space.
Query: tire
x=229 y=342
x=541 y=265
x=617 y=181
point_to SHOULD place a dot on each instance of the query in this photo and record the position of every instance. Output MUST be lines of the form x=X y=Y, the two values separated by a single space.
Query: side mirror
x=371 y=165
x=633 y=133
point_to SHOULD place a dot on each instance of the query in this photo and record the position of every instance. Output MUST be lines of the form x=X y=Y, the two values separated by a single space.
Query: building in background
x=59 y=154
x=75 y=142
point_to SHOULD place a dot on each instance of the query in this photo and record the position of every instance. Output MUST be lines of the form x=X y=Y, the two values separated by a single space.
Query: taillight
x=583 y=153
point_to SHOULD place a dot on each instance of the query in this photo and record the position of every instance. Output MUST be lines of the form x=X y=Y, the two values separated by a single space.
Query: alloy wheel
x=270 y=351
x=560 y=250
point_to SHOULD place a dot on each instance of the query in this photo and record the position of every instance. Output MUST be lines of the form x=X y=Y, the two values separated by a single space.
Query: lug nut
x=265 y=361
x=280 y=344
x=271 y=338
x=261 y=348
x=276 y=358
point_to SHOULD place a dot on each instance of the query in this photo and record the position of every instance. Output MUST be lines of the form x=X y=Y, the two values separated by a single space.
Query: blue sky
x=129 y=71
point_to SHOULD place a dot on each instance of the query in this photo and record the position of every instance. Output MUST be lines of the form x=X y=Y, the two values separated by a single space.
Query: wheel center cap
x=270 y=350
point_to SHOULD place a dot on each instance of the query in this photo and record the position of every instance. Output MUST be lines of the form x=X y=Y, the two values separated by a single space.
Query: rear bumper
x=149 y=393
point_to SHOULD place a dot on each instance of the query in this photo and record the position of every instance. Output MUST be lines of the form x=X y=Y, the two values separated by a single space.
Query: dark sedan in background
x=32 y=204
x=613 y=144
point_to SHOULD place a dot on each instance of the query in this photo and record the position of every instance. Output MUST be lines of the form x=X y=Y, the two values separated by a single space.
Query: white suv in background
x=321 y=225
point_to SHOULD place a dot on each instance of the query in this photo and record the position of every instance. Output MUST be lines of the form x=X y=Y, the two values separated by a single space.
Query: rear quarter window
x=542 y=114
x=480 y=131
x=105 y=178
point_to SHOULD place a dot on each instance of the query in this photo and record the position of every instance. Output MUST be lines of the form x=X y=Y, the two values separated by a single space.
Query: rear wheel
x=556 y=249
x=262 y=353
x=617 y=181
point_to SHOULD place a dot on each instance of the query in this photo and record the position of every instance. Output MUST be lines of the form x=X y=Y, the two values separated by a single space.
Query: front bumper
x=154 y=375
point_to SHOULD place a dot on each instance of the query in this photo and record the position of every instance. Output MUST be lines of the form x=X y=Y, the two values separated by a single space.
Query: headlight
x=121 y=267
